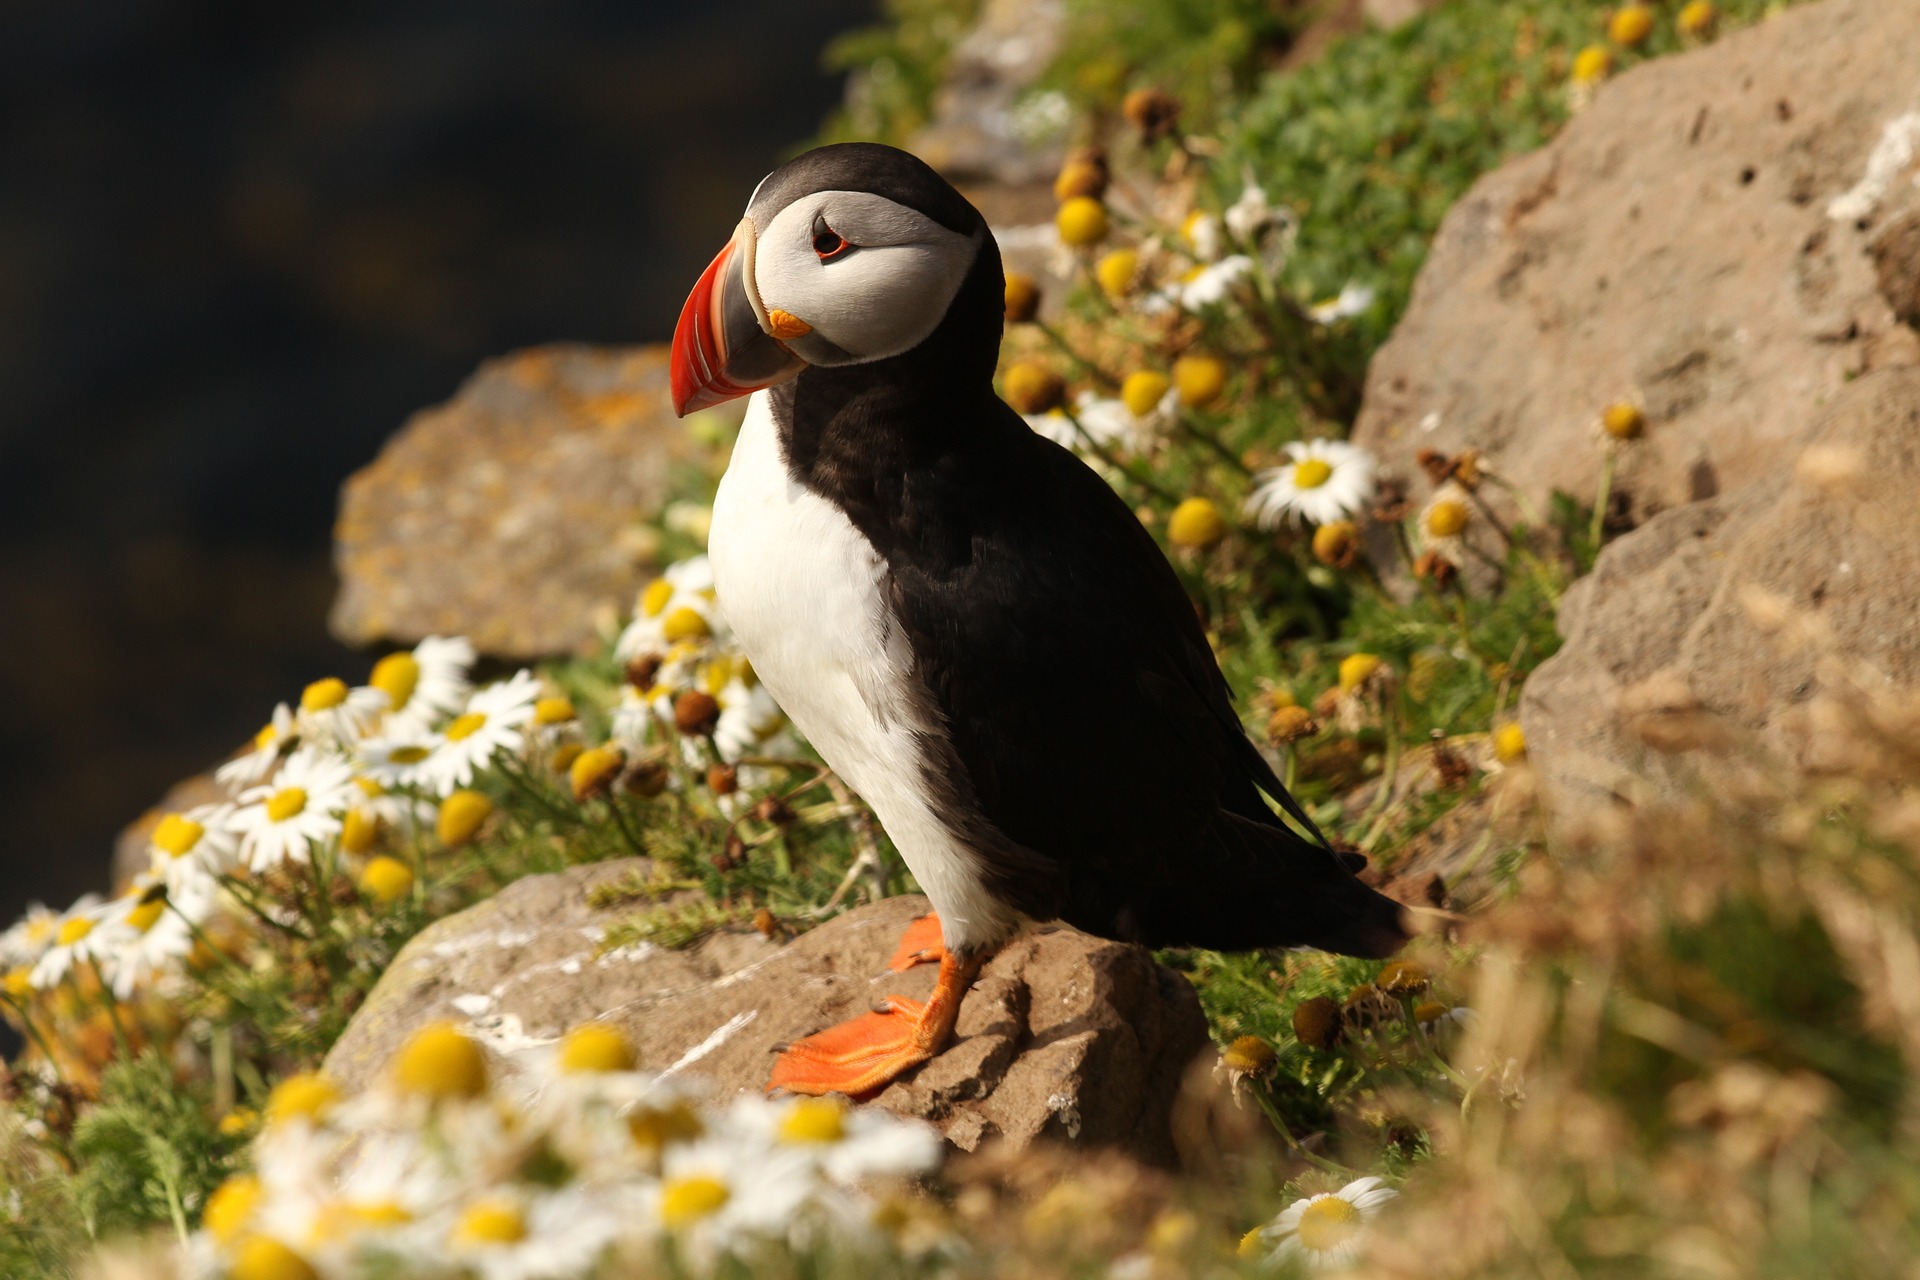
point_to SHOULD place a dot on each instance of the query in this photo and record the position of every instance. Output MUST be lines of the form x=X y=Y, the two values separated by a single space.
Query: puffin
x=968 y=624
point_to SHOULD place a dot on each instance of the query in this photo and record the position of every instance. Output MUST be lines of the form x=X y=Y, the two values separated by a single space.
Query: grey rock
x=1063 y=1037
x=1731 y=620
x=1674 y=246
x=511 y=513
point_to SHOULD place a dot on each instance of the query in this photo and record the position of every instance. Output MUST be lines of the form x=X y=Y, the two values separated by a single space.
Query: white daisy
x=490 y=724
x=276 y=738
x=846 y=1144
x=396 y=758
x=1326 y=1230
x=1203 y=286
x=77 y=940
x=149 y=932
x=716 y=1195
x=1324 y=480
x=1201 y=231
x=189 y=848
x=1354 y=300
x=1250 y=215
x=425 y=685
x=278 y=822
x=528 y=1234
x=677 y=606
x=29 y=937
x=749 y=718
x=332 y=713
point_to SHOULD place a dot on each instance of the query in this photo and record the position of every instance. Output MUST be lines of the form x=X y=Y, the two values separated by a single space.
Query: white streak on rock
x=721 y=1035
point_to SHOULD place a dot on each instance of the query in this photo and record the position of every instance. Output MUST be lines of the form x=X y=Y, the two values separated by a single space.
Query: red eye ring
x=828 y=243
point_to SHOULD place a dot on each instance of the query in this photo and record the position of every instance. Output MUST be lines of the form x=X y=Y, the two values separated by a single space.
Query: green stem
x=1598 y=528
x=1215 y=443
x=1260 y=1095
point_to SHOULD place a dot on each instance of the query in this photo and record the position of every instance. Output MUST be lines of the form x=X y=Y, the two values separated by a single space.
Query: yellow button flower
x=1196 y=524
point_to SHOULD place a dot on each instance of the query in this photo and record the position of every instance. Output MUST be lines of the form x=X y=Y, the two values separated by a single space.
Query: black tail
x=1255 y=884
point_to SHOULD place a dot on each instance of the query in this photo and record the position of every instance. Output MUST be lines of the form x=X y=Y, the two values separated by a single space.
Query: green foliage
x=1374 y=141
x=150 y=1151
x=1205 y=52
x=894 y=68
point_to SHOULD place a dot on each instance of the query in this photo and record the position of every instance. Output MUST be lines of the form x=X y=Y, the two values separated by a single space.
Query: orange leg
x=922 y=943
x=862 y=1056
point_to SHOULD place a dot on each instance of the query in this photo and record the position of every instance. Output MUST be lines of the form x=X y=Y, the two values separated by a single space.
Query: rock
x=1064 y=1036
x=975 y=136
x=510 y=513
x=1677 y=246
x=1736 y=617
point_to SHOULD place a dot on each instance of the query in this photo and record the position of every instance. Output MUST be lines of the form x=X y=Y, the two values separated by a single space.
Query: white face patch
x=881 y=296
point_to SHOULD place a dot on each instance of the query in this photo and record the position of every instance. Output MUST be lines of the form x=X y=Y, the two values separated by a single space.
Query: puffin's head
x=848 y=254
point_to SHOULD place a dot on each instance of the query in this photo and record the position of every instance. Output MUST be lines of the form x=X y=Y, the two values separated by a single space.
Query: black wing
x=1089 y=721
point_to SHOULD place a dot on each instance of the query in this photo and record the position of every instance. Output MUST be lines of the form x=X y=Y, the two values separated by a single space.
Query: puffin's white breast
x=802 y=588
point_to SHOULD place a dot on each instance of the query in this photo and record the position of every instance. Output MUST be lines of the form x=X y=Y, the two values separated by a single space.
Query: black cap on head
x=865 y=166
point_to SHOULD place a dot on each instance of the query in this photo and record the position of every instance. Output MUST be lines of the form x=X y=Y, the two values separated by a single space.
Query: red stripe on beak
x=698 y=368
x=720 y=348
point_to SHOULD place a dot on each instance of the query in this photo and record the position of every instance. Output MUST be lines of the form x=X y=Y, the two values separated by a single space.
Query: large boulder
x=511 y=513
x=1704 y=239
x=1063 y=1036
x=1731 y=619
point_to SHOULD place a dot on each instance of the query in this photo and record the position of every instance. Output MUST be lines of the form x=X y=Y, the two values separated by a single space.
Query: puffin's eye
x=827 y=242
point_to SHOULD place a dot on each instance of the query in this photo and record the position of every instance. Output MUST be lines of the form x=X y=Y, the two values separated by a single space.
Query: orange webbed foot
x=861 y=1056
x=922 y=943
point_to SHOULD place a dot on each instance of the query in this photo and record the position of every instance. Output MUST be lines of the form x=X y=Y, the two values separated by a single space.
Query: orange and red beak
x=720 y=348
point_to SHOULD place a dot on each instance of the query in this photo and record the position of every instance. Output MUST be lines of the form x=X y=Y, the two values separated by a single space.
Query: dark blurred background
x=239 y=243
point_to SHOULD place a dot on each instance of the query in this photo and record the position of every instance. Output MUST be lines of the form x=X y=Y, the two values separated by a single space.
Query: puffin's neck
x=858 y=434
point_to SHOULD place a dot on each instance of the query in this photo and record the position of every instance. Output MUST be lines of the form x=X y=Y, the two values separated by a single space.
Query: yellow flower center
x=1328 y=1223
x=267 y=736
x=591 y=769
x=1250 y=1243
x=1356 y=669
x=408 y=755
x=461 y=815
x=1200 y=379
x=264 y=1258
x=1311 y=473
x=230 y=1205
x=238 y=1121
x=176 y=835
x=19 y=982
x=1510 y=743
x=653 y=601
x=386 y=879
x=1447 y=518
x=1081 y=221
x=1196 y=524
x=144 y=916
x=492 y=1222
x=440 y=1062
x=1248 y=1056
x=74 y=930
x=396 y=675
x=1143 y=390
x=359 y=831
x=685 y=623
x=657 y=1127
x=553 y=711
x=351 y=1217
x=324 y=695
x=288 y=802
x=814 y=1120
x=307 y=1095
x=687 y=1200
x=466 y=726
x=596 y=1047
